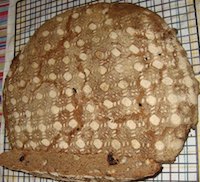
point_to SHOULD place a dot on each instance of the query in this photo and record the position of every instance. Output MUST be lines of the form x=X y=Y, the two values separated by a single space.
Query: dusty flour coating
x=99 y=80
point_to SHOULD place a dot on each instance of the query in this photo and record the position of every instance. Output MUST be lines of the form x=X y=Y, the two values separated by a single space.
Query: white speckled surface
x=185 y=168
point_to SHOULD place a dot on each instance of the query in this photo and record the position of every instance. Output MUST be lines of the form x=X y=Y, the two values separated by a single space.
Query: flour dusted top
x=99 y=79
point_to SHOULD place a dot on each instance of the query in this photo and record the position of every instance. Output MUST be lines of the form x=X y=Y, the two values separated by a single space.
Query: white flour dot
x=113 y=35
x=138 y=66
x=145 y=83
x=151 y=100
x=13 y=101
x=42 y=127
x=155 y=120
x=57 y=125
x=134 y=49
x=73 y=123
x=51 y=61
x=33 y=144
x=86 y=71
x=39 y=96
x=187 y=81
x=66 y=44
x=135 y=144
x=108 y=104
x=10 y=87
x=22 y=83
x=28 y=113
x=60 y=32
x=109 y=21
x=29 y=128
x=52 y=94
x=80 y=143
x=21 y=57
x=67 y=76
x=16 y=114
x=55 y=109
x=112 y=125
x=70 y=107
x=83 y=56
x=80 y=43
x=167 y=81
x=69 y=92
x=45 y=33
x=45 y=142
x=100 y=55
x=25 y=99
x=159 y=145
x=75 y=15
x=116 y=144
x=52 y=76
x=96 y=39
x=87 y=89
x=77 y=29
x=123 y=84
x=34 y=65
x=172 y=98
x=66 y=60
x=36 y=79
x=116 y=52
x=47 y=47
x=126 y=102
x=94 y=125
x=104 y=86
x=154 y=49
x=97 y=143
x=119 y=68
x=157 y=64
x=92 y=26
x=63 y=145
x=59 y=19
x=175 y=119
x=90 y=108
x=131 y=124
x=89 y=11
x=102 y=70
x=21 y=68
x=19 y=143
x=81 y=75
x=130 y=31
x=17 y=129
x=150 y=35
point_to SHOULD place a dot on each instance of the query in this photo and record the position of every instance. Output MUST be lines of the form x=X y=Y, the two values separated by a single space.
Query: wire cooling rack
x=179 y=14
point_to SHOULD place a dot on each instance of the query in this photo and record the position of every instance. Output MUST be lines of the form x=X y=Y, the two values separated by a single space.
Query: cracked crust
x=103 y=91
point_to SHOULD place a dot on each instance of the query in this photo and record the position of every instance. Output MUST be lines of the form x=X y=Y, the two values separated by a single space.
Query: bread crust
x=103 y=91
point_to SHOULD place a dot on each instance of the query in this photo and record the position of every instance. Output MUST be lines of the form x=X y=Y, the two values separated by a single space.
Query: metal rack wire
x=179 y=14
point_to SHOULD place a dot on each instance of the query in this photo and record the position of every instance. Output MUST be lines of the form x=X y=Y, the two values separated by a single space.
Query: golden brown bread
x=103 y=91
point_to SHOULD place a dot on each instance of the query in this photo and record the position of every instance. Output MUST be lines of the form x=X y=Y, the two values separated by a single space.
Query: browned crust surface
x=103 y=91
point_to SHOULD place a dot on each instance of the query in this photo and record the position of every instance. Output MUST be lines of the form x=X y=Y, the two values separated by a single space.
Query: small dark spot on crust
x=159 y=54
x=21 y=158
x=111 y=160
x=140 y=104
x=77 y=129
x=74 y=90
x=175 y=30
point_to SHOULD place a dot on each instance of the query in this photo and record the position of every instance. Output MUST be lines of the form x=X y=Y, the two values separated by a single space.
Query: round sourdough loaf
x=103 y=92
